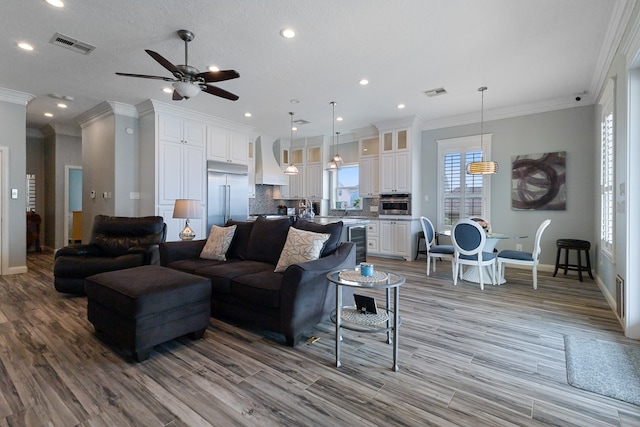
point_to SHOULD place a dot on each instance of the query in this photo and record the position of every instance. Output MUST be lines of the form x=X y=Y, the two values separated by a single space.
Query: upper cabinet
x=400 y=147
x=227 y=146
x=369 y=146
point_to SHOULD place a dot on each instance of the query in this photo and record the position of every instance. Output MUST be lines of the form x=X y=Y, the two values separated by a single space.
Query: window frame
x=335 y=188
x=607 y=171
x=463 y=145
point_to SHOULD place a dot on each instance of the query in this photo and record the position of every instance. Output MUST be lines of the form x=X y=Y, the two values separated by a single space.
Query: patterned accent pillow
x=218 y=243
x=300 y=246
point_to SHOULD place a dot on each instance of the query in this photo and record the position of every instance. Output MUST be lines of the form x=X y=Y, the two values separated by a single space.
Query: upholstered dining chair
x=434 y=251
x=468 y=240
x=524 y=258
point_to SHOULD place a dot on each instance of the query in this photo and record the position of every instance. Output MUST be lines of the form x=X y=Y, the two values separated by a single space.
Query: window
x=607 y=185
x=461 y=195
x=347 y=192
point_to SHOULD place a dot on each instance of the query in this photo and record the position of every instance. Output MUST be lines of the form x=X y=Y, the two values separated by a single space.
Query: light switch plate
x=14 y=193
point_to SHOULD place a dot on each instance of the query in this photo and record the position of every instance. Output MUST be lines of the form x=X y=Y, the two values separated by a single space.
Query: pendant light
x=336 y=161
x=482 y=167
x=291 y=169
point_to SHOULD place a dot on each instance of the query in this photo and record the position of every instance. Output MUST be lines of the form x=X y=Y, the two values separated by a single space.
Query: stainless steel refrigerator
x=228 y=193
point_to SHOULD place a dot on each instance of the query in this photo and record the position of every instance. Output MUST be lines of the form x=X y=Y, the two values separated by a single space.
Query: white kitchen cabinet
x=373 y=237
x=395 y=162
x=369 y=176
x=314 y=189
x=252 y=169
x=180 y=130
x=227 y=146
x=297 y=184
x=395 y=238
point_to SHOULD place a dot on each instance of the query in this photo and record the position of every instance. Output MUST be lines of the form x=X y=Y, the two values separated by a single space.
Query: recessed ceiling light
x=338 y=119
x=287 y=33
x=167 y=90
x=213 y=68
x=25 y=46
x=55 y=3
x=48 y=114
x=295 y=101
x=400 y=106
x=364 y=82
x=62 y=105
x=294 y=128
x=247 y=114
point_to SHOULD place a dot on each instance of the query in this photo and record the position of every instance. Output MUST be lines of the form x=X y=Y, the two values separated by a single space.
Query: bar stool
x=420 y=238
x=578 y=246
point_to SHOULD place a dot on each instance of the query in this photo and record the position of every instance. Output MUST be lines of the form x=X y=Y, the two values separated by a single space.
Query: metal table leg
x=338 y=323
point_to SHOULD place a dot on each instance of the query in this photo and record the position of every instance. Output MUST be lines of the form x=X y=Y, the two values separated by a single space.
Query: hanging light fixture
x=336 y=161
x=291 y=169
x=482 y=167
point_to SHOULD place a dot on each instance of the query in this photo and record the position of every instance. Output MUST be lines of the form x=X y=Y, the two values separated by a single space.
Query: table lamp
x=187 y=208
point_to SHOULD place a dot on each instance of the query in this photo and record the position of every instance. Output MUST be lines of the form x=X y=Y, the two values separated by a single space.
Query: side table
x=382 y=280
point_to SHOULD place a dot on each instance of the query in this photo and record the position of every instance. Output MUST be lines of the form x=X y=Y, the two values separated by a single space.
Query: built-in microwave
x=395 y=204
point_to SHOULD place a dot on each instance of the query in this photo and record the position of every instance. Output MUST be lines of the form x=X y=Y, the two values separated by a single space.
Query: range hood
x=268 y=169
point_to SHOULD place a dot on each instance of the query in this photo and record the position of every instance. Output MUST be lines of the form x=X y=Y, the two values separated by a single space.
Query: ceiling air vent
x=435 y=92
x=301 y=122
x=71 y=43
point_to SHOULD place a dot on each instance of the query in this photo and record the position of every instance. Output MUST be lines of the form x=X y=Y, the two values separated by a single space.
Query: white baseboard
x=17 y=270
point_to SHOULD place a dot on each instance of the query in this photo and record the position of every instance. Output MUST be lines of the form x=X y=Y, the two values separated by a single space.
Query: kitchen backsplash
x=264 y=204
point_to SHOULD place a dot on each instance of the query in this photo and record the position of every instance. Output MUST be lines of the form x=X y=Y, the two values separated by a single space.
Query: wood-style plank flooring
x=467 y=358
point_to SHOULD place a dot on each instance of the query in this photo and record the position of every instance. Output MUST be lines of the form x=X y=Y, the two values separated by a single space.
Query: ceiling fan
x=188 y=80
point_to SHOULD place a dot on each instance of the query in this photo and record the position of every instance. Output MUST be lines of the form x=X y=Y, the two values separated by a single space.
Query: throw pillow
x=218 y=243
x=267 y=239
x=333 y=228
x=240 y=242
x=300 y=246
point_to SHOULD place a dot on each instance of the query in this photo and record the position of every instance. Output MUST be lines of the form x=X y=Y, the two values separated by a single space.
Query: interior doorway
x=73 y=204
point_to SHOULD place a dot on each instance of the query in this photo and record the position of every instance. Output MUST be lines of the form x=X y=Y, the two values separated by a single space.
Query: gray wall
x=569 y=130
x=35 y=165
x=13 y=136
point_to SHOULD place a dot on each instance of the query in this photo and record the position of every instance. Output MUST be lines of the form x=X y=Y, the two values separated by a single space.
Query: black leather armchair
x=116 y=243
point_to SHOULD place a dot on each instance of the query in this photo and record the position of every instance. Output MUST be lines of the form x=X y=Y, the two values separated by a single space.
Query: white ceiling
x=534 y=55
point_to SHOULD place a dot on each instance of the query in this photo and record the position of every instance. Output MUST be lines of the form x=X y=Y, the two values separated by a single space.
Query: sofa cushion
x=80 y=267
x=301 y=246
x=222 y=273
x=218 y=243
x=260 y=289
x=240 y=242
x=334 y=229
x=191 y=265
x=267 y=239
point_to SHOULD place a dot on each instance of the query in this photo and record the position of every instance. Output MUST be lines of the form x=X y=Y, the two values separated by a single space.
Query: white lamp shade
x=291 y=170
x=187 y=208
x=186 y=90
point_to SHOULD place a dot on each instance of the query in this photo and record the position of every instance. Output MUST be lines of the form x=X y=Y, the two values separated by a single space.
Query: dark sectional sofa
x=245 y=288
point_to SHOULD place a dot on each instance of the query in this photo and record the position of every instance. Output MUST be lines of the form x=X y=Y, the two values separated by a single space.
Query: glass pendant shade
x=291 y=169
x=482 y=167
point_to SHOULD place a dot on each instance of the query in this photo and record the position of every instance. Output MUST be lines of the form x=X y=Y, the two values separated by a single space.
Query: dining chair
x=434 y=251
x=468 y=240
x=524 y=258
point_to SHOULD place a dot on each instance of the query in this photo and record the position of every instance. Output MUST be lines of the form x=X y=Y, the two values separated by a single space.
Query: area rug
x=604 y=367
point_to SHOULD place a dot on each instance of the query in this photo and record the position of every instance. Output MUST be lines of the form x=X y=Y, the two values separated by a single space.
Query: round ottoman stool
x=579 y=246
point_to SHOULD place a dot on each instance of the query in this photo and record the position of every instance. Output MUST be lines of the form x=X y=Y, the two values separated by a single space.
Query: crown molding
x=15 y=97
x=151 y=106
x=105 y=109
x=403 y=122
x=631 y=45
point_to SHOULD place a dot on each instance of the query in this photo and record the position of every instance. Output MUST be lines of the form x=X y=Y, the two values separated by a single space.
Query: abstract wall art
x=538 y=181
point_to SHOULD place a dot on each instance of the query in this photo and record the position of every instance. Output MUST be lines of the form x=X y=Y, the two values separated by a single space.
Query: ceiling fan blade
x=218 y=76
x=176 y=96
x=220 y=92
x=166 y=64
x=144 y=76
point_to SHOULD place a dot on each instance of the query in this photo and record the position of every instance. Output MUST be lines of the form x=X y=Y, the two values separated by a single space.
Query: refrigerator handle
x=228 y=204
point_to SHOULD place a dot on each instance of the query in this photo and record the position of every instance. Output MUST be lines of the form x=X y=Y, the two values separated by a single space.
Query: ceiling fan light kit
x=188 y=81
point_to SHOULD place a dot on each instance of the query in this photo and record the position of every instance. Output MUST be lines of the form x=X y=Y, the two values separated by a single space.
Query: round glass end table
x=387 y=320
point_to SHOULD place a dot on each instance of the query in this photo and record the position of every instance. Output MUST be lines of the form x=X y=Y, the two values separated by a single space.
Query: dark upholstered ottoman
x=148 y=305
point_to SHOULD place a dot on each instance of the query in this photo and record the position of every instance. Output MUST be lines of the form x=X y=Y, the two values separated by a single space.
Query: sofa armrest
x=150 y=253
x=306 y=293
x=79 y=249
x=175 y=251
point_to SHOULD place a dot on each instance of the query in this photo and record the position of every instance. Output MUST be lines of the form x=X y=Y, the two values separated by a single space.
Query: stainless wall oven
x=395 y=204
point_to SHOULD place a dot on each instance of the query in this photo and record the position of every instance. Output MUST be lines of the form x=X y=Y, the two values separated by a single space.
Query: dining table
x=472 y=273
